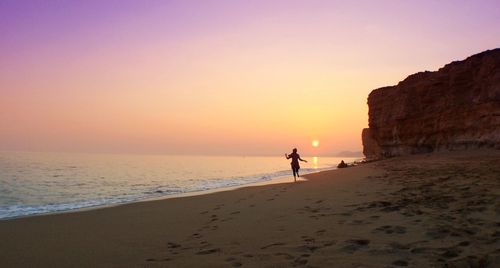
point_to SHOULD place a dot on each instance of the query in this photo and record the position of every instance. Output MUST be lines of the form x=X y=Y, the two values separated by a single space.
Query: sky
x=217 y=77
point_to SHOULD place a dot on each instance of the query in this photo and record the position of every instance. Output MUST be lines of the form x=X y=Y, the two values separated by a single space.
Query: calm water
x=34 y=183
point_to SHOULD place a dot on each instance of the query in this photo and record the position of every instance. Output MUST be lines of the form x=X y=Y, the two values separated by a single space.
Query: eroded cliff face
x=456 y=107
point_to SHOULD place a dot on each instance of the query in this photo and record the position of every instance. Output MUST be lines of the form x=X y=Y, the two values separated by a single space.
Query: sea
x=39 y=183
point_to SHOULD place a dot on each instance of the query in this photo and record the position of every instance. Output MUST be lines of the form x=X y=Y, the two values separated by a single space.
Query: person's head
x=294 y=150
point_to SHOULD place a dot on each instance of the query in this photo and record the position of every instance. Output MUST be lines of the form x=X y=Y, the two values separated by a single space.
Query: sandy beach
x=169 y=133
x=430 y=210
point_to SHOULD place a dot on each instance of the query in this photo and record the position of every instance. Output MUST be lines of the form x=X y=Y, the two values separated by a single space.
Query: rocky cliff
x=456 y=107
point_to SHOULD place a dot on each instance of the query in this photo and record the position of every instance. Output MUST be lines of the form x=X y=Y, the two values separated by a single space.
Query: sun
x=315 y=143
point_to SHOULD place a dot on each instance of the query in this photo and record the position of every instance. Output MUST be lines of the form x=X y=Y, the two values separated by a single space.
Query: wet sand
x=433 y=210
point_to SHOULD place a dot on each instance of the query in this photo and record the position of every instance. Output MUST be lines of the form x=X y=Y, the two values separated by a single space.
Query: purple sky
x=149 y=76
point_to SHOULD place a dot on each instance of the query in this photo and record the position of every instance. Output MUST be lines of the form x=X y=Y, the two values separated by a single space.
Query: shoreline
x=275 y=180
x=417 y=211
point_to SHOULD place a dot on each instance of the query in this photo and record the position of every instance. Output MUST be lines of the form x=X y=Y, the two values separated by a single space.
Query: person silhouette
x=295 y=163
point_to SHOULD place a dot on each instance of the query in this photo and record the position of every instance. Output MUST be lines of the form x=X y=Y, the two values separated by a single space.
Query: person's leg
x=294 y=174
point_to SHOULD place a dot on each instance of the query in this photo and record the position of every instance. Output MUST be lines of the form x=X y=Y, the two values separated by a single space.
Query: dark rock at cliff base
x=456 y=107
x=342 y=164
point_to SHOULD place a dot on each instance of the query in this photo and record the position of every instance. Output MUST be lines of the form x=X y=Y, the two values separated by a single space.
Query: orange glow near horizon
x=241 y=78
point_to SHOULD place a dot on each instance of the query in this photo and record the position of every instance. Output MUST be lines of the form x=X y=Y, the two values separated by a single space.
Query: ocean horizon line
x=347 y=153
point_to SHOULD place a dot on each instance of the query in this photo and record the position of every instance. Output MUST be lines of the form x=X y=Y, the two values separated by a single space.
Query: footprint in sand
x=307 y=248
x=400 y=263
x=196 y=235
x=218 y=207
x=438 y=232
x=285 y=255
x=299 y=262
x=353 y=245
x=447 y=253
x=399 y=246
x=308 y=239
x=320 y=232
x=421 y=250
x=213 y=218
x=475 y=261
x=273 y=244
x=208 y=251
x=451 y=253
x=389 y=229
x=359 y=222
x=234 y=262
x=329 y=243
x=157 y=260
x=173 y=245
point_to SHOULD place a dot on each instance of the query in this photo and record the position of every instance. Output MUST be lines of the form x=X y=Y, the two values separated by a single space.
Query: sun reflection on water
x=315 y=162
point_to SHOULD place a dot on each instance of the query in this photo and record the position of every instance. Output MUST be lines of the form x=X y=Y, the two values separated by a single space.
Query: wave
x=151 y=192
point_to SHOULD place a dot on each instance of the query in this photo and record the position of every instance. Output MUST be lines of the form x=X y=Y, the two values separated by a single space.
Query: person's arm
x=302 y=160
x=287 y=157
